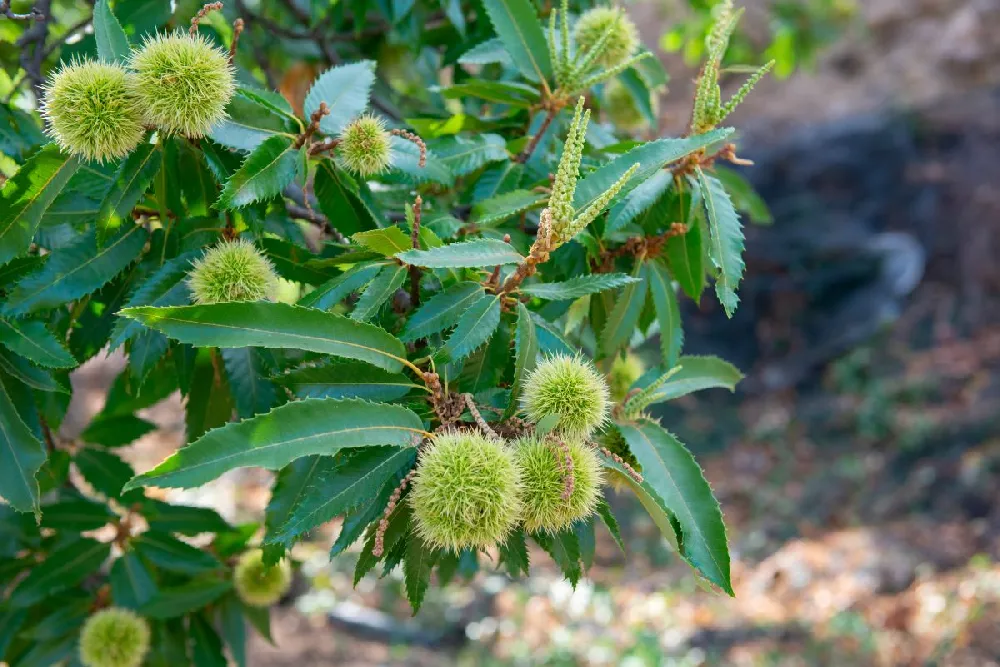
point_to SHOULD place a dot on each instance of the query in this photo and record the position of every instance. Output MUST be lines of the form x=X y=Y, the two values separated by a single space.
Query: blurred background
x=858 y=465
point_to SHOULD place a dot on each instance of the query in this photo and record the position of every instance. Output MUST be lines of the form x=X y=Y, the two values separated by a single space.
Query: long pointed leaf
x=21 y=457
x=312 y=426
x=673 y=474
x=726 y=240
x=274 y=325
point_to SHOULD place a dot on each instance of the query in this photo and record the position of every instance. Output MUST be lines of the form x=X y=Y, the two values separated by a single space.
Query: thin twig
x=32 y=45
x=202 y=13
x=314 y=121
x=523 y=157
x=34 y=15
x=476 y=415
x=410 y=136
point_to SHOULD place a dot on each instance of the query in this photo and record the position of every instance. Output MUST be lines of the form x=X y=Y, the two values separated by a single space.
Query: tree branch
x=35 y=14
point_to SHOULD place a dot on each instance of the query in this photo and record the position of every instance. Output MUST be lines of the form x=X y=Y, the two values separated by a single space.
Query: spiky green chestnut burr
x=623 y=374
x=621 y=108
x=92 y=110
x=561 y=482
x=466 y=492
x=257 y=584
x=611 y=26
x=365 y=146
x=184 y=83
x=570 y=388
x=114 y=638
x=232 y=271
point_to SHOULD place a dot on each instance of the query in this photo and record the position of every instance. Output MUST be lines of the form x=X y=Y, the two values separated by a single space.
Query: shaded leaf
x=76 y=270
x=417 y=565
x=668 y=312
x=516 y=24
x=578 y=286
x=695 y=374
x=641 y=198
x=33 y=340
x=525 y=355
x=21 y=457
x=379 y=291
x=134 y=175
x=250 y=120
x=514 y=554
x=332 y=292
x=64 y=568
x=179 y=600
x=132 y=584
x=499 y=208
x=442 y=310
x=27 y=194
x=247 y=372
x=624 y=316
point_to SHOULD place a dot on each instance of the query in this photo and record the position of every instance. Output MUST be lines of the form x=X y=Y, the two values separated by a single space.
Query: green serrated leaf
x=579 y=286
x=517 y=25
x=347 y=379
x=340 y=484
x=668 y=312
x=379 y=291
x=311 y=426
x=604 y=511
x=332 y=292
x=250 y=120
x=462 y=155
x=514 y=555
x=76 y=515
x=639 y=200
x=564 y=548
x=417 y=565
x=501 y=207
x=725 y=246
x=106 y=472
x=75 y=271
x=475 y=327
x=112 y=44
x=21 y=457
x=274 y=325
x=265 y=173
x=134 y=175
x=168 y=553
x=670 y=470
x=206 y=644
x=233 y=629
x=247 y=372
x=467 y=254
x=651 y=157
x=625 y=315
x=28 y=194
x=442 y=310
x=64 y=568
x=25 y=372
x=525 y=355
x=499 y=92
x=33 y=340
x=387 y=241
x=345 y=90
x=132 y=584
x=685 y=254
x=179 y=600
x=695 y=374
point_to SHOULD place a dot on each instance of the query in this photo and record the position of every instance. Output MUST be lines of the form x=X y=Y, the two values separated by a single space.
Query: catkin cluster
x=176 y=83
x=471 y=490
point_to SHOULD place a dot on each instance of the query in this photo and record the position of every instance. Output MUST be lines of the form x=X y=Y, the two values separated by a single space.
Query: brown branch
x=539 y=254
x=646 y=246
x=524 y=155
x=32 y=45
x=202 y=13
x=314 y=120
x=34 y=15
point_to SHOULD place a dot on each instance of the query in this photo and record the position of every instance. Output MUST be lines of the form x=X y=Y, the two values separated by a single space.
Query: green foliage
x=434 y=280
